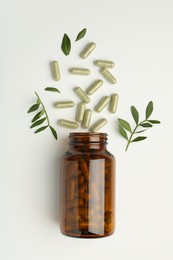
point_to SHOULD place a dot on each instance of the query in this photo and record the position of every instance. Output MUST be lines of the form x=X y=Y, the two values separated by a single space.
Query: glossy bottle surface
x=87 y=200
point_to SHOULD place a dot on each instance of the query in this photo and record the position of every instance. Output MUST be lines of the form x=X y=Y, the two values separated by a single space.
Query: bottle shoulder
x=92 y=154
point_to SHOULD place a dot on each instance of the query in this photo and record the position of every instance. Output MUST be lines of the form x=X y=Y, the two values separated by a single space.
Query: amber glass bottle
x=87 y=199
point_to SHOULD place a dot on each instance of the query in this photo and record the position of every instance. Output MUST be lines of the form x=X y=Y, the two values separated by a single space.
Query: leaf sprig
x=66 y=42
x=143 y=125
x=37 y=120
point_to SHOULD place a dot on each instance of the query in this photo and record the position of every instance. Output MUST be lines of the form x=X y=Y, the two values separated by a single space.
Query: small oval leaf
x=146 y=125
x=140 y=131
x=154 y=122
x=125 y=124
x=123 y=132
x=33 y=108
x=52 y=89
x=149 y=109
x=81 y=34
x=135 y=114
x=41 y=129
x=66 y=44
x=139 y=138
x=38 y=115
x=54 y=132
x=39 y=122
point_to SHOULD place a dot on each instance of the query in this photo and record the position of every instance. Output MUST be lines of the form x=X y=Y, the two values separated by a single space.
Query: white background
x=138 y=36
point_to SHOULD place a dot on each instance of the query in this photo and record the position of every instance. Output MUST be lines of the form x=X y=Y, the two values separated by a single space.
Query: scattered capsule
x=87 y=118
x=82 y=94
x=94 y=86
x=80 y=111
x=102 y=103
x=68 y=124
x=106 y=73
x=113 y=103
x=99 y=124
x=87 y=50
x=104 y=63
x=64 y=104
x=55 y=70
x=79 y=71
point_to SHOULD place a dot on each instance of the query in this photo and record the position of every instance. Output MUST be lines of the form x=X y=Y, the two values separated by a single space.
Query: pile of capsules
x=83 y=115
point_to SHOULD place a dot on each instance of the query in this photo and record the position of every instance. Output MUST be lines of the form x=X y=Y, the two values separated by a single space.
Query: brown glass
x=87 y=187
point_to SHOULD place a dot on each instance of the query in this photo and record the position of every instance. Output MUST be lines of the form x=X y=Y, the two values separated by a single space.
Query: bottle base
x=86 y=234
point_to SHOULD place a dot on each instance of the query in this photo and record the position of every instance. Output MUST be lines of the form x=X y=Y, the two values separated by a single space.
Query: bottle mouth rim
x=88 y=137
x=88 y=134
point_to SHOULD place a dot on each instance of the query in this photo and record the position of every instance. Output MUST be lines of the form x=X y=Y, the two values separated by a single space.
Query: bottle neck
x=87 y=141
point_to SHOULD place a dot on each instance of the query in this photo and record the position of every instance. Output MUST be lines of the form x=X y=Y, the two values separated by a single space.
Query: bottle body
x=87 y=187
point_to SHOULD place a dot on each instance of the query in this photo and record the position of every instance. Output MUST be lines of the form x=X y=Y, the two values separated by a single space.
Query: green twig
x=37 y=122
x=47 y=117
x=145 y=124
x=130 y=138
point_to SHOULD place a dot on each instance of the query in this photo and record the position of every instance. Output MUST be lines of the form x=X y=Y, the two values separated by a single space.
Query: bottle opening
x=90 y=137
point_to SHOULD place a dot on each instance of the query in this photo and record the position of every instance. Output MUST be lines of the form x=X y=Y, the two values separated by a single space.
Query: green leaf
x=154 y=122
x=53 y=132
x=52 y=89
x=139 y=138
x=41 y=129
x=38 y=115
x=123 y=132
x=66 y=44
x=39 y=122
x=125 y=124
x=33 y=108
x=146 y=125
x=135 y=114
x=81 y=34
x=149 y=109
x=38 y=101
x=140 y=131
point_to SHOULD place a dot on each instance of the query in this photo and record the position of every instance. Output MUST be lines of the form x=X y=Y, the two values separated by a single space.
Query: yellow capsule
x=80 y=112
x=94 y=86
x=71 y=189
x=87 y=50
x=106 y=73
x=104 y=63
x=74 y=203
x=113 y=103
x=84 y=168
x=55 y=70
x=64 y=104
x=79 y=71
x=102 y=103
x=87 y=118
x=83 y=187
x=82 y=94
x=68 y=124
x=98 y=125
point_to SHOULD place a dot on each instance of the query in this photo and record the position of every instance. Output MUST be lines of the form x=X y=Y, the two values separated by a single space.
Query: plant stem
x=47 y=117
x=130 y=138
